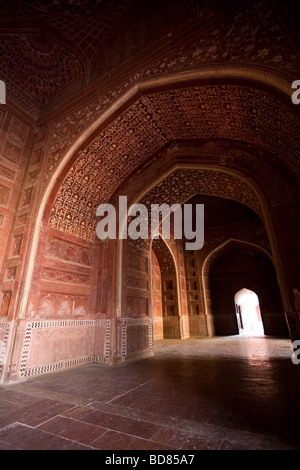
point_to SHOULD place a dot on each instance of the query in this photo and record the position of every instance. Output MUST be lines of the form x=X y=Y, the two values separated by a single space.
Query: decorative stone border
x=5 y=329
x=124 y=325
x=26 y=371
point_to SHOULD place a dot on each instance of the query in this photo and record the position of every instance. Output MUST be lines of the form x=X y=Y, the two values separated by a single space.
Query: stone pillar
x=286 y=252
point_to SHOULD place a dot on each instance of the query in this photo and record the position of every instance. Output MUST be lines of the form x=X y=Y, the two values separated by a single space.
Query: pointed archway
x=102 y=292
x=248 y=313
x=234 y=266
x=165 y=303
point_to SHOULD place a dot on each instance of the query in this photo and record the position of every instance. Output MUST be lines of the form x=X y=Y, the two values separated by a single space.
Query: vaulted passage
x=119 y=103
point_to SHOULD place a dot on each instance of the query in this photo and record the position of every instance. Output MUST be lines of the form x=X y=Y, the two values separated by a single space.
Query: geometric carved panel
x=135 y=338
x=5 y=303
x=136 y=306
x=4 y=195
x=18 y=131
x=16 y=248
x=6 y=173
x=12 y=152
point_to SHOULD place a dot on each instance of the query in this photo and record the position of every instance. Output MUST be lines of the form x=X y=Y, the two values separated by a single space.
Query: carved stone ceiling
x=235 y=112
x=48 y=47
x=52 y=49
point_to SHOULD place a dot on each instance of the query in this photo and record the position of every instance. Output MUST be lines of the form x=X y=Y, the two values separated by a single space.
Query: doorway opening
x=248 y=313
x=166 y=319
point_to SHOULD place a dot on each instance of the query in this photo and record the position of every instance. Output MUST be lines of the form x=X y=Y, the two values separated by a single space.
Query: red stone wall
x=65 y=278
x=16 y=198
x=70 y=307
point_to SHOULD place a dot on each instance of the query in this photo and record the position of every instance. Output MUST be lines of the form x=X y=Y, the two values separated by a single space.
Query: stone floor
x=221 y=393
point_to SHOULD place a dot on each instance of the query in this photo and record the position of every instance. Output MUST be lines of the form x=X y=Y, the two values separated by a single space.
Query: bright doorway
x=248 y=312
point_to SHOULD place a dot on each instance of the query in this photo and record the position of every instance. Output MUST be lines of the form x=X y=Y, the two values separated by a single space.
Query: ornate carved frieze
x=250 y=34
x=206 y=112
x=53 y=305
x=234 y=112
x=67 y=251
x=69 y=277
x=183 y=184
x=136 y=306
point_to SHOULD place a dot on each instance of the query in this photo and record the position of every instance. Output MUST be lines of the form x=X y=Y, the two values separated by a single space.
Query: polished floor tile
x=233 y=393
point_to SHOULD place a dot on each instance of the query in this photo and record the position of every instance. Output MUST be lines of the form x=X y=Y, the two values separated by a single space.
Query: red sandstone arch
x=154 y=150
x=174 y=183
x=169 y=325
x=144 y=88
x=256 y=277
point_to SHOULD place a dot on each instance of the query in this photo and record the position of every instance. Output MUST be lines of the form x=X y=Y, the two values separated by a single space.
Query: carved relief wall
x=64 y=324
x=63 y=281
x=15 y=141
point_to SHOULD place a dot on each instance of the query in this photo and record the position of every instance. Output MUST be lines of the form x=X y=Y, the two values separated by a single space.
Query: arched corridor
x=115 y=110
